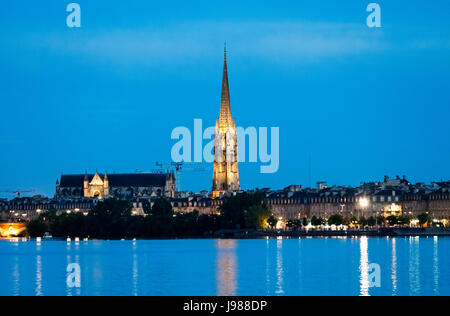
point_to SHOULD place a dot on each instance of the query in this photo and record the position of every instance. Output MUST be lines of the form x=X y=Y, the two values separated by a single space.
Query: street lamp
x=364 y=202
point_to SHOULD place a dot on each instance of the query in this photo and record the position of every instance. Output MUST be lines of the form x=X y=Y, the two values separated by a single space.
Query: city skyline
x=358 y=103
x=224 y=155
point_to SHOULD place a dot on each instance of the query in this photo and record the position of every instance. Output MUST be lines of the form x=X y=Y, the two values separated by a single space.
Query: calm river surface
x=310 y=266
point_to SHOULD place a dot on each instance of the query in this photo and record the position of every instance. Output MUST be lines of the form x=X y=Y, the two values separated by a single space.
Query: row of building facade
x=396 y=197
x=391 y=197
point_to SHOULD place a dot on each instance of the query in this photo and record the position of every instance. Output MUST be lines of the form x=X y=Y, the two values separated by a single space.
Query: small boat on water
x=47 y=235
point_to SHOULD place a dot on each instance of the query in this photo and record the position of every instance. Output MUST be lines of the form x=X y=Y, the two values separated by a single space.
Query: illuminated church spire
x=225 y=119
x=226 y=171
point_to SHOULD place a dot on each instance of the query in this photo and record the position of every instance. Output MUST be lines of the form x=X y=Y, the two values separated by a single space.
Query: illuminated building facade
x=126 y=186
x=226 y=170
x=8 y=230
x=396 y=197
x=375 y=199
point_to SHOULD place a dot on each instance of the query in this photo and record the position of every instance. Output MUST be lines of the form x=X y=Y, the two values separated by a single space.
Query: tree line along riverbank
x=241 y=216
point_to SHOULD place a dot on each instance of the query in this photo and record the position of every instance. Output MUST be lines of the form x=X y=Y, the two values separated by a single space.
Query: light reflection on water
x=16 y=277
x=38 y=276
x=267 y=267
x=394 y=266
x=414 y=266
x=364 y=266
x=135 y=270
x=435 y=267
x=279 y=290
x=226 y=267
x=312 y=266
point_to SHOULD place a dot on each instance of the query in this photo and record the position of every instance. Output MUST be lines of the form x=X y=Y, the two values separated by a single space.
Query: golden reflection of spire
x=436 y=266
x=226 y=267
x=394 y=266
x=280 y=282
x=414 y=276
x=364 y=266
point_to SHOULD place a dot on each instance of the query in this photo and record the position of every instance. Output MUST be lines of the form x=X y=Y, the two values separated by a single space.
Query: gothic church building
x=126 y=186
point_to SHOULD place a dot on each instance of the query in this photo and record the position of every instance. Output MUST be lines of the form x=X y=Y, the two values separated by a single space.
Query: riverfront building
x=395 y=197
x=391 y=197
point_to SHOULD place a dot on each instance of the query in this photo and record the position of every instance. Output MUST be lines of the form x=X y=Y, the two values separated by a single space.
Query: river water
x=307 y=266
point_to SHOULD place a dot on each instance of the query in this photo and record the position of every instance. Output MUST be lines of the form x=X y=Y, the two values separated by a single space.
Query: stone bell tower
x=226 y=170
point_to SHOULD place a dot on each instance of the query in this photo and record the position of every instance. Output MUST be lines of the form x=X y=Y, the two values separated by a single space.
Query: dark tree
x=315 y=221
x=244 y=210
x=162 y=210
x=257 y=216
x=37 y=228
x=146 y=206
x=272 y=221
x=112 y=207
x=363 y=221
x=404 y=220
x=424 y=219
x=392 y=220
x=305 y=222
x=381 y=220
x=371 y=221
x=336 y=220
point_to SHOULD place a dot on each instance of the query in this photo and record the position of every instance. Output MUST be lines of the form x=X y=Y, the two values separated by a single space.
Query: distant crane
x=174 y=167
x=177 y=168
x=162 y=168
x=18 y=192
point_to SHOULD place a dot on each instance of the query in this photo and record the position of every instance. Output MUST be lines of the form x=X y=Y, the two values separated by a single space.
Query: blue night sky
x=360 y=102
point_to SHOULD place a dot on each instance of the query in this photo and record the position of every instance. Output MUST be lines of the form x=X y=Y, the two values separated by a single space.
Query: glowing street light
x=279 y=223
x=364 y=202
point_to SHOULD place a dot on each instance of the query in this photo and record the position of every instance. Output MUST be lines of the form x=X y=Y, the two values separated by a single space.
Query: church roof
x=117 y=180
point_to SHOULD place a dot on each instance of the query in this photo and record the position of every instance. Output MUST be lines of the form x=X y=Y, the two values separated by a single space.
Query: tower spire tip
x=225 y=50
